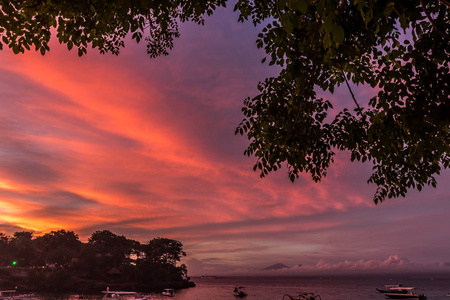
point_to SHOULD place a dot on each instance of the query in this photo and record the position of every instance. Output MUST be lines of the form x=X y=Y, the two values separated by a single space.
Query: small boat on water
x=303 y=296
x=7 y=294
x=399 y=291
x=169 y=292
x=239 y=291
x=387 y=288
x=11 y=294
x=208 y=276
x=121 y=295
x=26 y=297
x=410 y=295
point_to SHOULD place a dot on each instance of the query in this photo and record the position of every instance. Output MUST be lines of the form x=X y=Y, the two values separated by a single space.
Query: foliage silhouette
x=60 y=262
x=398 y=48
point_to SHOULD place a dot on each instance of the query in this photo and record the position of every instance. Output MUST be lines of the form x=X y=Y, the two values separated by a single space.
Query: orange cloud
x=146 y=148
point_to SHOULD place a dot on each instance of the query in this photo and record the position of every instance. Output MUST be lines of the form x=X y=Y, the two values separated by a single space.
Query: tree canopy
x=59 y=261
x=398 y=48
x=101 y=24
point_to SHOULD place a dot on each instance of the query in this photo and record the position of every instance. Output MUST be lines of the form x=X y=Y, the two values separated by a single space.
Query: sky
x=146 y=148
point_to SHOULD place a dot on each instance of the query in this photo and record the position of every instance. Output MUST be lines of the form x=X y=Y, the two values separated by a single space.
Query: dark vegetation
x=58 y=262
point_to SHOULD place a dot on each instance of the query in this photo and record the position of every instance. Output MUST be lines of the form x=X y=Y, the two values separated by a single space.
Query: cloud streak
x=146 y=148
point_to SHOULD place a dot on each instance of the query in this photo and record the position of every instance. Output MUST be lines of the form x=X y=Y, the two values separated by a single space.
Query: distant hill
x=277 y=266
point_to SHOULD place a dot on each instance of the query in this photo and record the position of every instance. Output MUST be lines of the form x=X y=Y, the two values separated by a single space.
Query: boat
x=7 y=294
x=302 y=296
x=121 y=295
x=410 y=295
x=77 y=297
x=239 y=291
x=402 y=292
x=208 y=276
x=11 y=294
x=387 y=288
x=398 y=291
x=169 y=292
x=26 y=297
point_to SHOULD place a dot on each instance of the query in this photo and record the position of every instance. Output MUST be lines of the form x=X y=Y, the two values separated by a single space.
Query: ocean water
x=328 y=287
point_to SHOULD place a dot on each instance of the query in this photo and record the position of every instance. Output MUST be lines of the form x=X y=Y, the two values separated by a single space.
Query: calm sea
x=329 y=288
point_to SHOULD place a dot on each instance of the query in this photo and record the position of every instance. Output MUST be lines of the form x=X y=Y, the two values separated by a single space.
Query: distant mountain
x=275 y=267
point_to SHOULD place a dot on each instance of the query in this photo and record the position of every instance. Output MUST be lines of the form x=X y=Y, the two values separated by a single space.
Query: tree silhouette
x=22 y=249
x=5 y=253
x=102 y=24
x=59 y=262
x=162 y=255
x=59 y=248
x=105 y=251
x=400 y=49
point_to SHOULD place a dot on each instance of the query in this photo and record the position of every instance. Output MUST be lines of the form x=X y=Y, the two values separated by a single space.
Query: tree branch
x=432 y=21
x=445 y=2
x=278 y=11
x=353 y=95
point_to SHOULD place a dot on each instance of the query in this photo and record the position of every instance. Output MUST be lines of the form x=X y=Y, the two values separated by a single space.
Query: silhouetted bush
x=58 y=262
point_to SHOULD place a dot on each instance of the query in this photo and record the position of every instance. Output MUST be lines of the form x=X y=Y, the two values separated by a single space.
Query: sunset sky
x=146 y=148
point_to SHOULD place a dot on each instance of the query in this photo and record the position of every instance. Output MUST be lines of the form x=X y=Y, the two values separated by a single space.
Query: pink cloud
x=393 y=264
x=147 y=148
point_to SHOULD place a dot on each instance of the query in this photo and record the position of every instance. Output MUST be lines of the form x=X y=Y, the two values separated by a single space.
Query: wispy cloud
x=146 y=148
